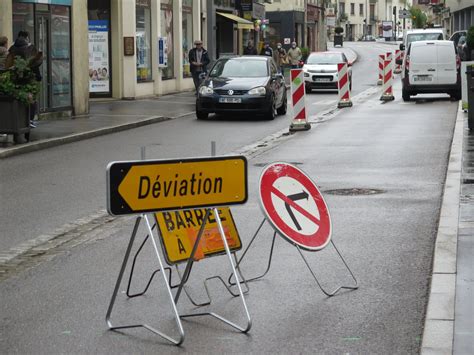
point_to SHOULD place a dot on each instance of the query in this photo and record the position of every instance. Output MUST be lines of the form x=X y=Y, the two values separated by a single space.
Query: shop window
x=143 y=40
x=187 y=35
x=167 y=32
x=23 y=20
x=60 y=56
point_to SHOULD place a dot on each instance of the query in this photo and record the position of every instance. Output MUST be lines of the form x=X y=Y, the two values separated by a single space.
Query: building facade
x=106 y=48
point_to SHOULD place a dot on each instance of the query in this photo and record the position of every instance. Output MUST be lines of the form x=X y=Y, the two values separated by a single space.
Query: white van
x=427 y=34
x=431 y=67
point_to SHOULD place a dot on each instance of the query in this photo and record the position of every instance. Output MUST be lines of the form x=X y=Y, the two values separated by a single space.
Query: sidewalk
x=105 y=117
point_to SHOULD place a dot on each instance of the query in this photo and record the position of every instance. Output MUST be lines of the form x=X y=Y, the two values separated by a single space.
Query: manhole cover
x=291 y=162
x=354 y=191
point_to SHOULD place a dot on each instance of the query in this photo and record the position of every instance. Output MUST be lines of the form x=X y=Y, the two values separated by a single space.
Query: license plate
x=422 y=78
x=230 y=100
x=323 y=80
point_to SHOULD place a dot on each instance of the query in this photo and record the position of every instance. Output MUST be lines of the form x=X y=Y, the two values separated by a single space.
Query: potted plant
x=338 y=36
x=470 y=42
x=18 y=89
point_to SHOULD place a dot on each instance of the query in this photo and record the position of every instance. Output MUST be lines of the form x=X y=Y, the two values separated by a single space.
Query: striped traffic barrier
x=387 y=92
x=389 y=57
x=398 y=56
x=381 y=59
x=299 y=123
x=343 y=85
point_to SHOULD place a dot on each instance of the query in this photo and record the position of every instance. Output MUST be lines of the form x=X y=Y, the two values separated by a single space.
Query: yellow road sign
x=179 y=230
x=159 y=185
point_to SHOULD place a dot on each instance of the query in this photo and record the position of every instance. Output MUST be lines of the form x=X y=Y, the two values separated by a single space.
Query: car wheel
x=350 y=84
x=456 y=95
x=201 y=115
x=405 y=95
x=282 y=109
x=307 y=90
x=271 y=113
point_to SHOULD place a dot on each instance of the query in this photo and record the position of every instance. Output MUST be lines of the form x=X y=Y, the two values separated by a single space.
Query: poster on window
x=387 y=29
x=99 y=56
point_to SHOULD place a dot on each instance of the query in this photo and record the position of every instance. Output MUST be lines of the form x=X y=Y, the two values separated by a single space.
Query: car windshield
x=331 y=58
x=240 y=68
x=424 y=37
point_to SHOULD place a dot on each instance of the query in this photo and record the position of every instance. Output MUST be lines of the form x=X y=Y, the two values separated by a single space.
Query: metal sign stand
x=181 y=286
x=329 y=294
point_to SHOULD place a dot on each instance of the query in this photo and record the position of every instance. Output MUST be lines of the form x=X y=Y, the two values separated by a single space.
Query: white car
x=320 y=70
x=431 y=67
x=427 y=34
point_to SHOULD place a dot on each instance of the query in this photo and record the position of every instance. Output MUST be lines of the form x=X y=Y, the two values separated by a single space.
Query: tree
x=418 y=17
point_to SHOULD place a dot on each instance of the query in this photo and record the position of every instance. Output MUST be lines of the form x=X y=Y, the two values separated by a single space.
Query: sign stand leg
x=229 y=255
x=132 y=269
x=330 y=294
x=245 y=252
x=119 y=280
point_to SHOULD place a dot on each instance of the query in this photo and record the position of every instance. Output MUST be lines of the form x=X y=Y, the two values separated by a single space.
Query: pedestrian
x=267 y=50
x=294 y=55
x=26 y=50
x=198 y=59
x=281 y=58
x=250 y=49
x=3 y=51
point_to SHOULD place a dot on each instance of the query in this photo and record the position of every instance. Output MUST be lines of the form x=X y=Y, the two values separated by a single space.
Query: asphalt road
x=380 y=166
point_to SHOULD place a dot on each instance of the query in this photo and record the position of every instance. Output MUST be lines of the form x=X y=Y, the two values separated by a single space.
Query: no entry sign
x=294 y=206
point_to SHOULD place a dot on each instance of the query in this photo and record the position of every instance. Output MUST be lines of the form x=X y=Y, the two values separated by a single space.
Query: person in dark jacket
x=267 y=50
x=26 y=50
x=198 y=59
x=250 y=49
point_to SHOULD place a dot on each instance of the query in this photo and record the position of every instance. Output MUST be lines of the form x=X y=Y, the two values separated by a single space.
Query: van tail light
x=407 y=63
x=458 y=63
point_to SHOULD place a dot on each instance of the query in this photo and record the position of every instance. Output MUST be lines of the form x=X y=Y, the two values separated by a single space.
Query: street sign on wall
x=159 y=185
x=179 y=230
x=294 y=206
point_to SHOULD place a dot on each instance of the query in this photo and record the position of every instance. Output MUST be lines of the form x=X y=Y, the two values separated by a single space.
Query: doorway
x=43 y=45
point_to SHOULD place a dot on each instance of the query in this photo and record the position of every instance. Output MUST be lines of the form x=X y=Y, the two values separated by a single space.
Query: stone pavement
x=449 y=324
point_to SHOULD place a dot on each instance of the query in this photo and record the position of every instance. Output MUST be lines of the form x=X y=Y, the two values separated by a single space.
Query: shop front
x=50 y=31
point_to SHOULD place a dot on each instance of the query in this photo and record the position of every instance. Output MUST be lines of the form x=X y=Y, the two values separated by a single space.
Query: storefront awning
x=242 y=23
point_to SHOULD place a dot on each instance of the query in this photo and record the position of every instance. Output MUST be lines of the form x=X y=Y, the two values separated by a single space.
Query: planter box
x=15 y=118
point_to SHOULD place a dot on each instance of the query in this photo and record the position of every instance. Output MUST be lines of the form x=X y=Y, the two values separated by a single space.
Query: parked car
x=456 y=36
x=242 y=84
x=462 y=48
x=320 y=70
x=367 y=38
x=427 y=34
x=431 y=67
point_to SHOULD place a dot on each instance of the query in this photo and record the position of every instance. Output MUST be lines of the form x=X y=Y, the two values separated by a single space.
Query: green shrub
x=470 y=38
x=338 y=30
x=19 y=82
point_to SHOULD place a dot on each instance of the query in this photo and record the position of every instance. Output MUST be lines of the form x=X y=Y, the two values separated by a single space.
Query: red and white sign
x=294 y=206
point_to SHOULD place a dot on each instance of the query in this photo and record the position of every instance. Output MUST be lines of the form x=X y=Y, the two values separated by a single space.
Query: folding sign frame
x=174 y=300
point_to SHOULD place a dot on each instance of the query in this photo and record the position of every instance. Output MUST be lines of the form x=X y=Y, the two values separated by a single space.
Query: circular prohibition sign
x=294 y=206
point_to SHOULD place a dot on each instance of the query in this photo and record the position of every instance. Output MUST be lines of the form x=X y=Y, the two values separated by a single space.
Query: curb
x=54 y=142
x=438 y=331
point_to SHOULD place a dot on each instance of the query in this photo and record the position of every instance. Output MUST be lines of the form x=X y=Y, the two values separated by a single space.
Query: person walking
x=3 y=51
x=281 y=58
x=294 y=55
x=26 y=50
x=250 y=49
x=267 y=50
x=198 y=59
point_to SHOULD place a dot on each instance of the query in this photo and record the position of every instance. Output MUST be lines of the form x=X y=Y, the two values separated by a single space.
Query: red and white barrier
x=299 y=123
x=398 y=56
x=389 y=56
x=343 y=85
x=381 y=59
x=387 y=92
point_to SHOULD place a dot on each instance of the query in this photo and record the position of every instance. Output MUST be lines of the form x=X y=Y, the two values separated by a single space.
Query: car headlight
x=306 y=74
x=261 y=91
x=205 y=90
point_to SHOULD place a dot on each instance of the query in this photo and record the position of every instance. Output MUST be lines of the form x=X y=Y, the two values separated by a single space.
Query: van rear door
x=423 y=63
x=447 y=73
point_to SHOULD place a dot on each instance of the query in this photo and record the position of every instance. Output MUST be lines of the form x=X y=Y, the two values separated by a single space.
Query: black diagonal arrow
x=299 y=196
